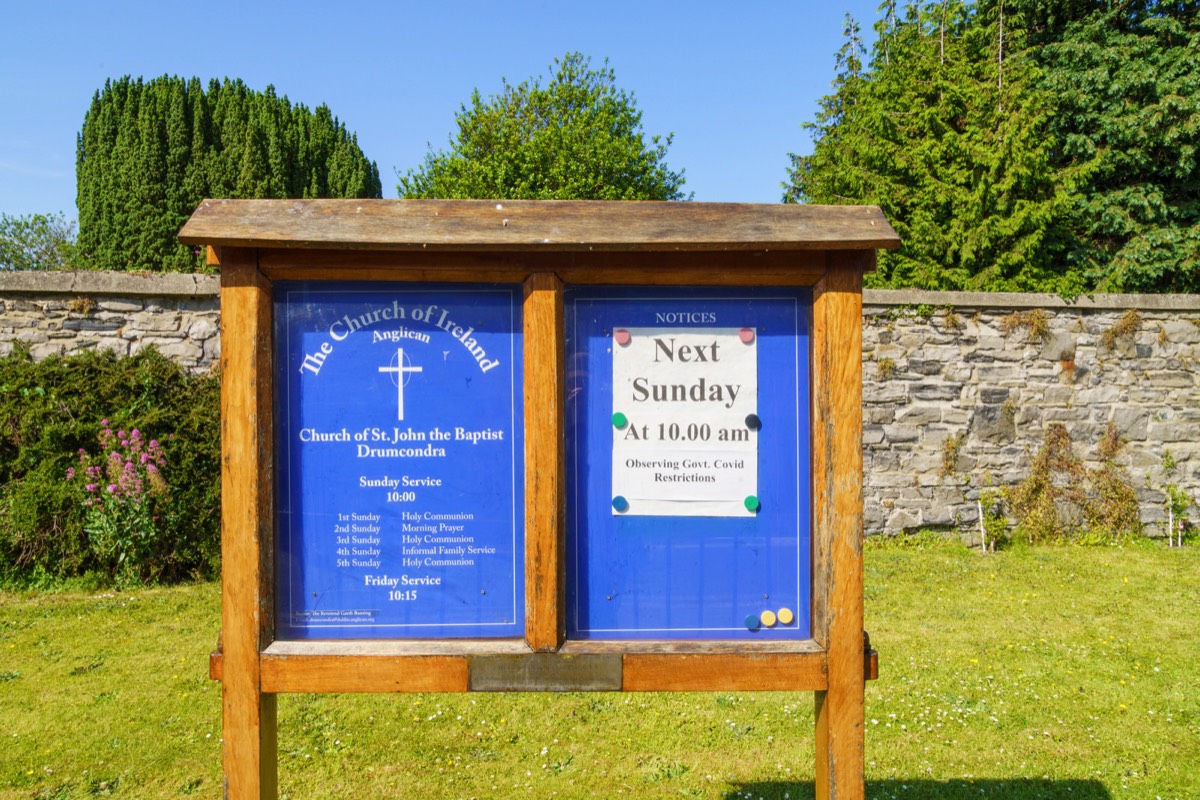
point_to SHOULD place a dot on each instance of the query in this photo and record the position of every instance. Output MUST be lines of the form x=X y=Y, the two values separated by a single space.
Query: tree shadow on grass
x=1005 y=789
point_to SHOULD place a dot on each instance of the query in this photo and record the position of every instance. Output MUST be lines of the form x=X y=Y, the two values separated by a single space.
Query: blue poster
x=399 y=461
x=688 y=457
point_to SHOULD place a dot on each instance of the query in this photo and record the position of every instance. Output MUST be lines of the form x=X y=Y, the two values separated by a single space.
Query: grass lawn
x=1033 y=673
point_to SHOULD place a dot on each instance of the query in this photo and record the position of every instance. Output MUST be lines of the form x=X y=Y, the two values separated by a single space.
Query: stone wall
x=55 y=313
x=988 y=372
x=959 y=389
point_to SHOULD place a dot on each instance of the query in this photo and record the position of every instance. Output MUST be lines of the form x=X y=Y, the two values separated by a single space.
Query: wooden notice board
x=540 y=446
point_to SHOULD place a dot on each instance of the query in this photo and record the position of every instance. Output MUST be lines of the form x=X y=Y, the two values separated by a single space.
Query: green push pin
x=751 y=503
x=619 y=420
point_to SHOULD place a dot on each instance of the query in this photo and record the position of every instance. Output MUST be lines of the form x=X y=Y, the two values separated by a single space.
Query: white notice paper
x=685 y=425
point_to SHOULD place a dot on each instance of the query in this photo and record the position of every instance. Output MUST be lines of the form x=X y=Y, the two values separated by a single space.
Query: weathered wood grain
x=373 y=673
x=797 y=672
x=714 y=268
x=533 y=225
x=837 y=524
x=545 y=498
x=248 y=716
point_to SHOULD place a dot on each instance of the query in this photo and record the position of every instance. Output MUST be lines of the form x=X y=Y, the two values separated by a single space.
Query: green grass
x=1033 y=673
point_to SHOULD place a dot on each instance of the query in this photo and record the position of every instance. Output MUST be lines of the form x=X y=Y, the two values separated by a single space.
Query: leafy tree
x=578 y=137
x=149 y=152
x=36 y=241
x=1042 y=145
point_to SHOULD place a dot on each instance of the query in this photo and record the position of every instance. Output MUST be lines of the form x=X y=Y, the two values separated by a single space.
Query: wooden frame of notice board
x=543 y=249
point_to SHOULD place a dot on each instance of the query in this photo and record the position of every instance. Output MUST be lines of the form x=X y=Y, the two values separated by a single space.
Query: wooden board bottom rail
x=346 y=670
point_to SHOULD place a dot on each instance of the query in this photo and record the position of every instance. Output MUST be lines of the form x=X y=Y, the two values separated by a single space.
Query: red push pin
x=746 y=335
x=622 y=336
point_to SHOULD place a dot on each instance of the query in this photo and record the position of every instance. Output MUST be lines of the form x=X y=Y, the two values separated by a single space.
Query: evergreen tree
x=943 y=132
x=1021 y=144
x=1127 y=84
x=578 y=137
x=149 y=152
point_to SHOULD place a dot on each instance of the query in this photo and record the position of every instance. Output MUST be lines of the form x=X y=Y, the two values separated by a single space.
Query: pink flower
x=91 y=487
x=70 y=473
x=112 y=488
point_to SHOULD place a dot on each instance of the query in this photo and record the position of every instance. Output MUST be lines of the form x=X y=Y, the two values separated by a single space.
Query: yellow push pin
x=786 y=616
x=768 y=619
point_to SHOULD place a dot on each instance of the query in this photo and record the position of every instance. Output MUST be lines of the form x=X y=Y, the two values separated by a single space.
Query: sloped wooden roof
x=536 y=226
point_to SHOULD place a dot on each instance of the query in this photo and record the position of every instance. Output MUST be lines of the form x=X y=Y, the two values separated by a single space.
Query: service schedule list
x=399 y=461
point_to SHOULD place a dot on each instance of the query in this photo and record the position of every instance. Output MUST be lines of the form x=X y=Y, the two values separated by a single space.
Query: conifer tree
x=1036 y=145
x=943 y=132
x=150 y=151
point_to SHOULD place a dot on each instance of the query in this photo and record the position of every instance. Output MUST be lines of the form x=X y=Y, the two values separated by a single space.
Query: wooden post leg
x=840 y=738
x=248 y=716
x=251 y=752
x=838 y=525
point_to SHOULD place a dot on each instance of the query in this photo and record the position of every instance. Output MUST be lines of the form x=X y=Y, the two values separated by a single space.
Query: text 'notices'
x=685 y=422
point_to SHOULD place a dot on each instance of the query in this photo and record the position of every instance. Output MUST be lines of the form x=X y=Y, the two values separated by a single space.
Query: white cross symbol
x=400 y=371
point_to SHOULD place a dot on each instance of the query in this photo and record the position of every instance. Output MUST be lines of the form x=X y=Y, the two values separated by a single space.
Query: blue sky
x=732 y=81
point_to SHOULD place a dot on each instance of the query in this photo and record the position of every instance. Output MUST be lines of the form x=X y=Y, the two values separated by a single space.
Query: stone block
x=873 y=434
x=156 y=323
x=901 y=433
x=935 y=391
x=1132 y=422
x=890 y=392
x=180 y=350
x=994 y=396
x=919 y=415
x=883 y=461
x=991 y=424
x=999 y=374
x=879 y=415
x=1058 y=396
x=120 y=305
x=939 y=515
x=1175 y=380
x=202 y=329
x=42 y=351
x=873 y=517
x=955 y=416
x=902 y=519
x=1059 y=346
x=1181 y=331
x=92 y=324
x=1098 y=395
x=925 y=367
x=113 y=345
x=1170 y=432
x=1075 y=414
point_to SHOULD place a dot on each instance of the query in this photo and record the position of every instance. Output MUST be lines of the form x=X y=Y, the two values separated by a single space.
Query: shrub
x=50 y=410
x=1063 y=501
